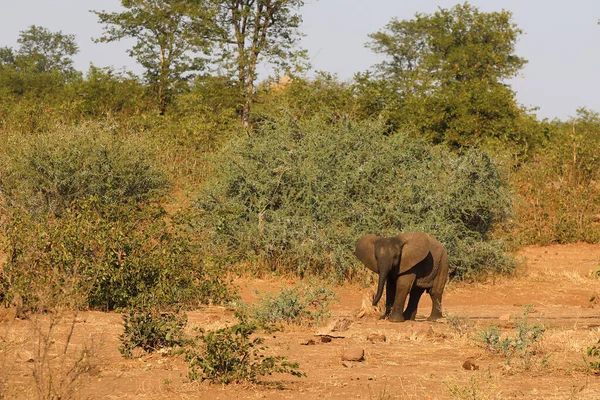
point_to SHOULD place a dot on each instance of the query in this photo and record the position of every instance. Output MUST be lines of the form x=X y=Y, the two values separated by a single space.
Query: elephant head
x=391 y=256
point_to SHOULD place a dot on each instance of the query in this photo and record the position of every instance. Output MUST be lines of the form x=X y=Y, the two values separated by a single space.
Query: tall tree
x=255 y=31
x=42 y=51
x=170 y=36
x=446 y=73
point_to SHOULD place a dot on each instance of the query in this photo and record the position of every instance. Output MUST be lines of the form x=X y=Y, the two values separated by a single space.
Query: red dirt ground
x=415 y=362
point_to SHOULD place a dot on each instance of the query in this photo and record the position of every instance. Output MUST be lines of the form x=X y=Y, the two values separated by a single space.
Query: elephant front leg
x=390 y=295
x=413 y=301
x=404 y=285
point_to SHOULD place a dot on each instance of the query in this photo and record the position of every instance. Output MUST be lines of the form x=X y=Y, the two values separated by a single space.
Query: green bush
x=151 y=330
x=593 y=361
x=301 y=305
x=105 y=258
x=47 y=172
x=520 y=345
x=230 y=355
x=295 y=195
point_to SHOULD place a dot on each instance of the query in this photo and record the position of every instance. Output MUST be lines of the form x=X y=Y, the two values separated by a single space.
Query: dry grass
x=58 y=367
x=39 y=359
x=367 y=309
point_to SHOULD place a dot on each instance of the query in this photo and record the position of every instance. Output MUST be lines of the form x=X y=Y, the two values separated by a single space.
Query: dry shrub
x=58 y=366
x=560 y=188
x=367 y=309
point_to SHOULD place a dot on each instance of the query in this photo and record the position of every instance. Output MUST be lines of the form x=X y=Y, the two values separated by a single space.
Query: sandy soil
x=418 y=360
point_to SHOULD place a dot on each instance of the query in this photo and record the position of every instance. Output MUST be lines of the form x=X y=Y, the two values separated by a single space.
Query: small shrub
x=230 y=355
x=593 y=360
x=300 y=305
x=151 y=330
x=477 y=388
x=59 y=367
x=521 y=344
x=460 y=325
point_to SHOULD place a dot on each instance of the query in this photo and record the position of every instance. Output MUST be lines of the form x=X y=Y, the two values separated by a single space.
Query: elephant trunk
x=380 y=286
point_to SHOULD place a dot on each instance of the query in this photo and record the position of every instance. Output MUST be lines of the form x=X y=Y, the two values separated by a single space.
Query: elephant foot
x=434 y=318
x=397 y=318
x=409 y=316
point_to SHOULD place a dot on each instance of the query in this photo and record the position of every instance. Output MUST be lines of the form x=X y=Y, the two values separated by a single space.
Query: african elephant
x=412 y=263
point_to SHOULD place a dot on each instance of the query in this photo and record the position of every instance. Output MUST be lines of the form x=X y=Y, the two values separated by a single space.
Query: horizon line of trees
x=443 y=75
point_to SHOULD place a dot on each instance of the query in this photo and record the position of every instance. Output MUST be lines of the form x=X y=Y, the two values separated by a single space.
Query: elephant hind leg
x=436 y=305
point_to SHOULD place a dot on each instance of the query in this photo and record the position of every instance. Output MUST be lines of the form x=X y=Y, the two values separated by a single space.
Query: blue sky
x=561 y=40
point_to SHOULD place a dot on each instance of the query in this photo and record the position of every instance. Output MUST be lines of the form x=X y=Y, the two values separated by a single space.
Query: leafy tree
x=444 y=75
x=169 y=35
x=255 y=30
x=106 y=91
x=42 y=51
x=305 y=97
x=36 y=81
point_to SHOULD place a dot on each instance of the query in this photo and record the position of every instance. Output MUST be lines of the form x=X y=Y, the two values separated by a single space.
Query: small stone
x=504 y=317
x=347 y=364
x=25 y=356
x=376 y=337
x=420 y=330
x=335 y=328
x=470 y=365
x=353 y=354
x=341 y=325
x=307 y=342
x=325 y=339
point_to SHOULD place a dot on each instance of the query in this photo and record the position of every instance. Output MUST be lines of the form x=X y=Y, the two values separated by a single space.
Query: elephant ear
x=365 y=251
x=415 y=248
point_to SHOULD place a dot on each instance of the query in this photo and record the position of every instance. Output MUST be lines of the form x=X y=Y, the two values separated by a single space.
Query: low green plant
x=231 y=355
x=593 y=360
x=301 y=305
x=521 y=344
x=461 y=325
x=477 y=388
x=594 y=273
x=151 y=330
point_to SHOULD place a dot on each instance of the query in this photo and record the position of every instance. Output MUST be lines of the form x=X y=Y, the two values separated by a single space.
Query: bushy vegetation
x=106 y=259
x=560 y=189
x=151 y=330
x=47 y=172
x=306 y=304
x=231 y=355
x=83 y=226
x=593 y=360
x=294 y=196
x=521 y=345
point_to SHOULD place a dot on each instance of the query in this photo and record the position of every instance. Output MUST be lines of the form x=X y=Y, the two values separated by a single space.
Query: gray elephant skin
x=408 y=265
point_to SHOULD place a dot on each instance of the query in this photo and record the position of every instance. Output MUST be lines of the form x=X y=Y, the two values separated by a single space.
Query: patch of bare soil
x=411 y=360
